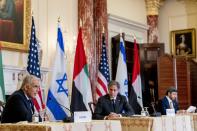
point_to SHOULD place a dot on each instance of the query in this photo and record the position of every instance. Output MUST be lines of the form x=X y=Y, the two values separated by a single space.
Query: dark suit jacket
x=166 y=105
x=17 y=108
x=104 y=107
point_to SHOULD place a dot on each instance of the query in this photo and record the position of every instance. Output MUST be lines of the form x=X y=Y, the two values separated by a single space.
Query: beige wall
x=134 y=10
x=175 y=15
x=46 y=13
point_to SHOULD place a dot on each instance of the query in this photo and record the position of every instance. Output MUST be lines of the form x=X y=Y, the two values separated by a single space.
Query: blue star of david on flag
x=126 y=94
x=60 y=83
x=125 y=82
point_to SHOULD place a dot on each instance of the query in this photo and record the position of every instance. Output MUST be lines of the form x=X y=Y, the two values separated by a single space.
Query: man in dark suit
x=169 y=101
x=19 y=106
x=112 y=105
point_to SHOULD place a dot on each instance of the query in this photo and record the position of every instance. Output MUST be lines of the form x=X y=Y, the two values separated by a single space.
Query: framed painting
x=15 y=24
x=183 y=42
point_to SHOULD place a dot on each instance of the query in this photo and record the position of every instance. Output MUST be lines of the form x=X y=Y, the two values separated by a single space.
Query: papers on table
x=191 y=109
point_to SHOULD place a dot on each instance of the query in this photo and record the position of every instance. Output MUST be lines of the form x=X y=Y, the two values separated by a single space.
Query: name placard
x=170 y=112
x=82 y=116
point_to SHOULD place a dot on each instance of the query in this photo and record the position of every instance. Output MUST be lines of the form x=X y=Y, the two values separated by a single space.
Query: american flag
x=103 y=73
x=33 y=65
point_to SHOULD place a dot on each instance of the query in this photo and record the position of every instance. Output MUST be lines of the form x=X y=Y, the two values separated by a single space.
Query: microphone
x=155 y=113
x=153 y=106
x=68 y=118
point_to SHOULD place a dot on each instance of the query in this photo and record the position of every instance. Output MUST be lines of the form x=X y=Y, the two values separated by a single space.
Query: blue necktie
x=113 y=104
x=31 y=105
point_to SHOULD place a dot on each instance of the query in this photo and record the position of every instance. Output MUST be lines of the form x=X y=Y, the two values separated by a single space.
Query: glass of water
x=42 y=114
x=146 y=111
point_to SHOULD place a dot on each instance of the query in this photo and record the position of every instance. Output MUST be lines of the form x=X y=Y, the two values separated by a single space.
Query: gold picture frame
x=15 y=31
x=183 y=42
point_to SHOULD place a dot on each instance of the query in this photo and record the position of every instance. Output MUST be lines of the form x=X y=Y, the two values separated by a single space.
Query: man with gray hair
x=19 y=106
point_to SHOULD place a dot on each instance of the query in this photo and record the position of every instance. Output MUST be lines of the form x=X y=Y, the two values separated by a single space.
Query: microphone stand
x=68 y=118
x=155 y=113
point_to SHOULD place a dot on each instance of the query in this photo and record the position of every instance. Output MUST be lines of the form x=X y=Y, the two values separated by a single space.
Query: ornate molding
x=131 y=24
x=152 y=6
x=13 y=77
x=129 y=27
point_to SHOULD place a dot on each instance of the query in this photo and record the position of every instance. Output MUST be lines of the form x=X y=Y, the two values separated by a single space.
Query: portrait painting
x=15 y=21
x=183 y=42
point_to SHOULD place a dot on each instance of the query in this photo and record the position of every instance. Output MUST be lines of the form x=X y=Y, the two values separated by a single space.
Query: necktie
x=113 y=104
x=32 y=106
x=171 y=105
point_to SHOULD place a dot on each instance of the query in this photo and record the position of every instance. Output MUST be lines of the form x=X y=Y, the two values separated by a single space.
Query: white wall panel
x=175 y=15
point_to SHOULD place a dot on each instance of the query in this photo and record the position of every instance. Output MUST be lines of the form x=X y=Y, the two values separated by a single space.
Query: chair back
x=91 y=106
x=2 y=105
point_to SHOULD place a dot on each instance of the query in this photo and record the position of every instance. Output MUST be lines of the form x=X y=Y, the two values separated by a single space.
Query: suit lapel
x=174 y=104
x=109 y=103
x=27 y=104
x=167 y=102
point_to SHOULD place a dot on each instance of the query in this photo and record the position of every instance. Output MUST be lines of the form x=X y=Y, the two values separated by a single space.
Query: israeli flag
x=57 y=99
x=121 y=74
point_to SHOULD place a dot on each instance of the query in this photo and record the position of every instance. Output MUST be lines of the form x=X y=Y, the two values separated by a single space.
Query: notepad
x=170 y=112
x=191 y=109
x=82 y=116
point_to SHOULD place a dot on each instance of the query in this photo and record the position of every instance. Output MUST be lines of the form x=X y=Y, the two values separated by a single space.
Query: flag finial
x=120 y=32
x=59 y=19
x=134 y=37
x=103 y=30
x=80 y=23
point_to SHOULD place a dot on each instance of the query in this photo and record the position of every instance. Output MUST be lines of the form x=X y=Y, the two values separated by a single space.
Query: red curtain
x=93 y=14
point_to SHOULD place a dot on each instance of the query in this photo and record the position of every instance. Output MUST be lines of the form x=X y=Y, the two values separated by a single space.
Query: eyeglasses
x=35 y=86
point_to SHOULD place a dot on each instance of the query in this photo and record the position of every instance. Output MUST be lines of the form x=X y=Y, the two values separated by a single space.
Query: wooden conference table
x=136 y=123
x=107 y=125
x=163 y=123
